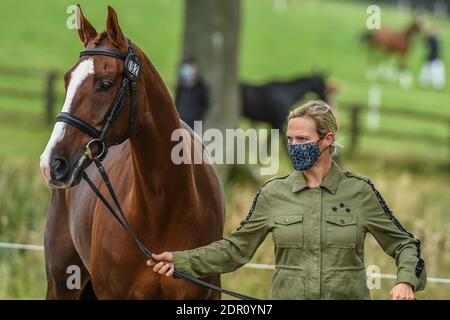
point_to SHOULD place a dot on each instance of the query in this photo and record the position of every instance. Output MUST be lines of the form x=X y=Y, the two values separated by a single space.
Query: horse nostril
x=59 y=167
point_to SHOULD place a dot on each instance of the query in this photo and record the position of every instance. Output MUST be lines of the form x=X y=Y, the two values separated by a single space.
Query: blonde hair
x=323 y=116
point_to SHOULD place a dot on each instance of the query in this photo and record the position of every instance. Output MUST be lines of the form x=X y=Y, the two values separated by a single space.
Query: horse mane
x=310 y=78
x=296 y=80
x=414 y=26
x=100 y=39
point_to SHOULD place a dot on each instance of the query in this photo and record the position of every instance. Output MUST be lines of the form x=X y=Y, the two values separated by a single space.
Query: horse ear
x=113 y=30
x=85 y=30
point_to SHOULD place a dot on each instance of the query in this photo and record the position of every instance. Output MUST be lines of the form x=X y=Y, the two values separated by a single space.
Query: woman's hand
x=402 y=291
x=165 y=264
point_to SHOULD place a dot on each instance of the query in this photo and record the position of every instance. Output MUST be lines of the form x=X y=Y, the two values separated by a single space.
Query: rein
x=132 y=72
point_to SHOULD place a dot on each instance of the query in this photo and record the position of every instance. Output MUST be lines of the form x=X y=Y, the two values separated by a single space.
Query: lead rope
x=125 y=224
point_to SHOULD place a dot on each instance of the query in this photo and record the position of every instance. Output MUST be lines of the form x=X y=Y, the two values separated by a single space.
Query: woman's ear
x=85 y=30
x=329 y=138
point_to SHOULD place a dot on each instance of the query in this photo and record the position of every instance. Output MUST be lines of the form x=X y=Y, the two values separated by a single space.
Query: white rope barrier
x=20 y=246
x=372 y=275
x=33 y=247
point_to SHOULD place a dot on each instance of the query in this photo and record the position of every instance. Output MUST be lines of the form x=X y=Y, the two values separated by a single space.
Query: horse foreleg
x=66 y=274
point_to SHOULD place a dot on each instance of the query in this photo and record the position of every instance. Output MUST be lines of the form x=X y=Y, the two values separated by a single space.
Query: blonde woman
x=318 y=216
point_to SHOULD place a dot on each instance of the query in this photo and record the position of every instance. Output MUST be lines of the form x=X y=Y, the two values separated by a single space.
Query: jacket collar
x=330 y=182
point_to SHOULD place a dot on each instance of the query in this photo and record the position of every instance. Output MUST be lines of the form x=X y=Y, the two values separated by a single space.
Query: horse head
x=92 y=87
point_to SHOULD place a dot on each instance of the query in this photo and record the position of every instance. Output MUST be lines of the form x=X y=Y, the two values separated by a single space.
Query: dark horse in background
x=169 y=206
x=271 y=102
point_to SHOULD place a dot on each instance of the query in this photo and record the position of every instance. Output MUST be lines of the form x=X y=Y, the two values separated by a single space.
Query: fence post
x=354 y=127
x=448 y=142
x=49 y=98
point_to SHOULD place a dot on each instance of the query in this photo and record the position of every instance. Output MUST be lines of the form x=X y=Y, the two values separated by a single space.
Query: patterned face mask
x=304 y=155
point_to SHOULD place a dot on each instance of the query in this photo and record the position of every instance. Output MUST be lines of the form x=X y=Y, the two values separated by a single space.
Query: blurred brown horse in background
x=393 y=41
x=170 y=207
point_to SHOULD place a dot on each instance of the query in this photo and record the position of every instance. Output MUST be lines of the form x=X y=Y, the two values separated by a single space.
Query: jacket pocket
x=341 y=231
x=345 y=285
x=288 y=231
x=288 y=285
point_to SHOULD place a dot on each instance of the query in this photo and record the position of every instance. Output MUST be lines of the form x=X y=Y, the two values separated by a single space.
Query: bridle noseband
x=132 y=67
x=132 y=72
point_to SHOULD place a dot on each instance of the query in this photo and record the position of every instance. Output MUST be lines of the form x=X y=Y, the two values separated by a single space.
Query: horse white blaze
x=78 y=75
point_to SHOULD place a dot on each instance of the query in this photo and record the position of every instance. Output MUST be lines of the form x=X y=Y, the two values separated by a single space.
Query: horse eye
x=106 y=84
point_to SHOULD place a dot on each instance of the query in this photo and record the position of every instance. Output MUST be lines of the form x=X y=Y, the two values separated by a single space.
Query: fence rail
x=48 y=94
x=17 y=71
x=260 y=266
x=355 y=130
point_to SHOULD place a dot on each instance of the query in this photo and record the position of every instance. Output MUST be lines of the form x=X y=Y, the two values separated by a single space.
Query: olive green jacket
x=319 y=238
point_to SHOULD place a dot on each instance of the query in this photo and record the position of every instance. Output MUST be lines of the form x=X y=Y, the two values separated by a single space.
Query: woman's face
x=303 y=130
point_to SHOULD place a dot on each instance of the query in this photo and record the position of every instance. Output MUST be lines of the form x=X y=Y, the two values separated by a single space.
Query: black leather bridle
x=132 y=73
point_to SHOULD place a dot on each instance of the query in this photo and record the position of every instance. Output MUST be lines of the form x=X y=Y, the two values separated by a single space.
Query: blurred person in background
x=191 y=98
x=433 y=70
x=319 y=216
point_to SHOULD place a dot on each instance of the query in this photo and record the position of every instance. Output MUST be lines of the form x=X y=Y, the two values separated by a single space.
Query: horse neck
x=410 y=31
x=151 y=146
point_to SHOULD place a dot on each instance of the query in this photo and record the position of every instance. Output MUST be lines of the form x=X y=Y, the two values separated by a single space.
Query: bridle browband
x=132 y=71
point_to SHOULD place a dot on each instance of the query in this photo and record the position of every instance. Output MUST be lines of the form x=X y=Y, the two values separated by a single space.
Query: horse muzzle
x=59 y=173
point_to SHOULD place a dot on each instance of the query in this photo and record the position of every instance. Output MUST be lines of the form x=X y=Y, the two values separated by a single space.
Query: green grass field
x=311 y=35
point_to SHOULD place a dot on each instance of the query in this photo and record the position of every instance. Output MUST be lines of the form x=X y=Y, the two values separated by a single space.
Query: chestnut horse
x=393 y=41
x=169 y=206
